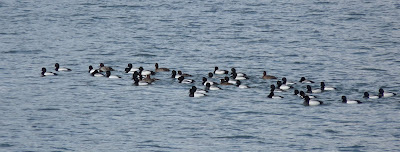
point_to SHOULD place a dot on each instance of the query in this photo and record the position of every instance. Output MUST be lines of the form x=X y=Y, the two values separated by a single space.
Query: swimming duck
x=240 y=85
x=211 y=87
x=344 y=100
x=230 y=81
x=105 y=68
x=302 y=95
x=324 y=88
x=193 y=93
x=149 y=80
x=205 y=81
x=61 y=69
x=284 y=81
x=217 y=71
x=183 y=80
x=383 y=94
x=160 y=69
x=238 y=74
x=282 y=86
x=96 y=73
x=210 y=74
x=308 y=102
x=199 y=90
x=145 y=72
x=309 y=90
x=224 y=82
x=304 y=80
x=130 y=69
x=265 y=76
x=273 y=96
x=108 y=75
x=274 y=89
x=366 y=95
x=91 y=70
x=236 y=77
x=184 y=74
x=175 y=75
x=45 y=73
x=137 y=82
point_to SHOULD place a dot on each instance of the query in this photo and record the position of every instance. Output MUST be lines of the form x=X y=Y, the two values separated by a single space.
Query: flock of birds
x=142 y=77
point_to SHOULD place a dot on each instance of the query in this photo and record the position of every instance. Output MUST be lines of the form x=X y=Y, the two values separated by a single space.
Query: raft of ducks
x=142 y=77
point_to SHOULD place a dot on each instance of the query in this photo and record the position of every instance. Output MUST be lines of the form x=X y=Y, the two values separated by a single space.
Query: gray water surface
x=351 y=45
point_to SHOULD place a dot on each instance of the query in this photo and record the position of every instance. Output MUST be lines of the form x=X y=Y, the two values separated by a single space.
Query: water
x=351 y=45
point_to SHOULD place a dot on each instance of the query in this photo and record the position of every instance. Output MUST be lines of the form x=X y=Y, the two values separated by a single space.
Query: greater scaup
x=217 y=71
x=183 y=80
x=344 y=100
x=265 y=76
x=383 y=94
x=105 y=68
x=211 y=87
x=273 y=96
x=45 y=73
x=61 y=69
x=160 y=69
x=108 y=75
x=308 y=102
x=304 y=80
x=366 y=95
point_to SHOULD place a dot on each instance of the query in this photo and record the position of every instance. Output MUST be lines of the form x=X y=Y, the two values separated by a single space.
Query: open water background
x=352 y=45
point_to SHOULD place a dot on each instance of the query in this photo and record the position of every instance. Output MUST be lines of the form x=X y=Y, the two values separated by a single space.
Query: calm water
x=351 y=45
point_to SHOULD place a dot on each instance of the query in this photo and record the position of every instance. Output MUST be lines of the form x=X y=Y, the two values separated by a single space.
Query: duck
x=145 y=72
x=265 y=76
x=45 y=73
x=230 y=81
x=96 y=73
x=91 y=70
x=309 y=90
x=383 y=94
x=273 y=96
x=211 y=87
x=183 y=80
x=205 y=81
x=130 y=68
x=108 y=75
x=308 y=102
x=217 y=71
x=139 y=83
x=296 y=92
x=304 y=80
x=105 y=68
x=174 y=74
x=210 y=74
x=240 y=85
x=324 y=88
x=238 y=74
x=61 y=69
x=366 y=95
x=344 y=100
x=149 y=80
x=224 y=82
x=236 y=77
x=274 y=89
x=284 y=81
x=137 y=75
x=193 y=93
x=303 y=94
x=184 y=74
x=160 y=69
x=282 y=86
x=199 y=90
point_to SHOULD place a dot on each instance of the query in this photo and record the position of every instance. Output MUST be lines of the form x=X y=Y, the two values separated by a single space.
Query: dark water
x=351 y=45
